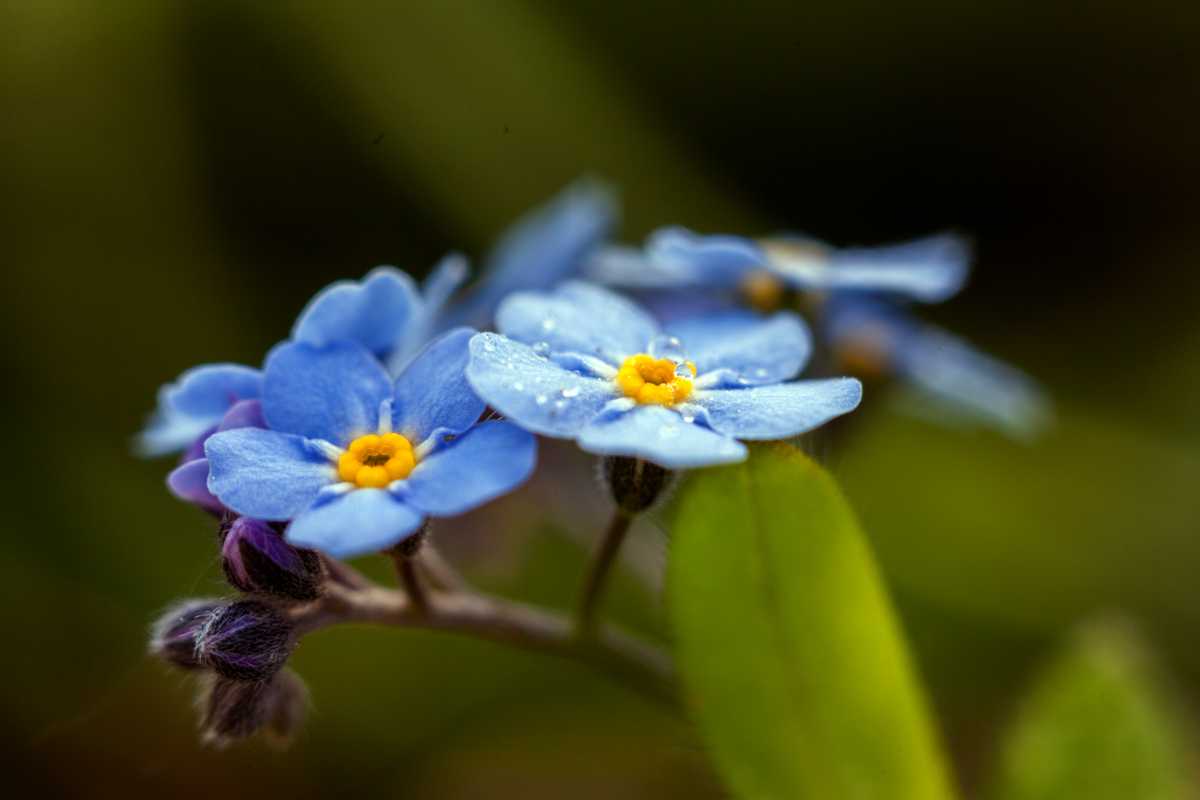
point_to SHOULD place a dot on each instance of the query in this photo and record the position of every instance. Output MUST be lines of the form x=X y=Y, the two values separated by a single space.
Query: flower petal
x=374 y=312
x=580 y=318
x=542 y=248
x=489 y=460
x=266 y=474
x=244 y=414
x=714 y=261
x=331 y=392
x=661 y=436
x=779 y=411
x=189 y=482
x=168 y=432
x=443 y=280
x=194 y=403
x=433 y=392
x=353 y=523
x=632 y=268
x=744 y=348
x=930 y=269
x=534 y=392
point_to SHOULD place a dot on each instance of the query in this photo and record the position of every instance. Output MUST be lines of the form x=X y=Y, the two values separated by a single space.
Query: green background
x=176 y=178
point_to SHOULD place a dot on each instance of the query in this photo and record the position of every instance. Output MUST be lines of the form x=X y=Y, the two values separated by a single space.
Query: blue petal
x=741 y=348
x=189 y=482
x=534 y=392
x=633 y=268
x=487 y=461
x=432 y=393
x=541 y=249
x=779 y=411
x=580 y=318
x=717 y=261
x=375 y=312
x=266 y=474
x=245 y=414
x=331 y=392
x=971 y=384
x=661 y=436
x=445 y=278
x=356 y=522
x=194 y=403
x=930 y=269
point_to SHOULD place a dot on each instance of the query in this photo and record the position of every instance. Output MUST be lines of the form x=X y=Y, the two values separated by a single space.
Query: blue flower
x=194 y=404
x=189 y=480
x=356 y=461
x=385 y=312
x=546 y=246
x=955 y=383
x=930 y=269
x=585 y=364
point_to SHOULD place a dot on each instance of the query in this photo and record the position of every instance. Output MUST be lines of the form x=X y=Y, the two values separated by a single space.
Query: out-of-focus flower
x=257 y=560
x=357 y=462
x=194 y=404
x=955 y=383
x=246 y=641
x=173 y=637
x=546 y=246
x=759 y=273
x=585 y=364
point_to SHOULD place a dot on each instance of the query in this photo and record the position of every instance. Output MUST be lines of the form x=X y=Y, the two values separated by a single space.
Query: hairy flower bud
x=246 y=641
x=232 y=709
x=173 y=637
x=257 y=560
x=635 y=484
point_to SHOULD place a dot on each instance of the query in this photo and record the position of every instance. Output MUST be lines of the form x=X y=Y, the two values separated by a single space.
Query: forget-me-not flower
x=193 y=406
x=357 y=461
x=586 y=364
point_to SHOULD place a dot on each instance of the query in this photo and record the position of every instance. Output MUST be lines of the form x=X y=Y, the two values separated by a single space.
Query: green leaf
x=788 y=648
x=1095 y=726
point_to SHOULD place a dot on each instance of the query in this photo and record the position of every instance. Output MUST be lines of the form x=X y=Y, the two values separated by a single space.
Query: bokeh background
x=176 y=178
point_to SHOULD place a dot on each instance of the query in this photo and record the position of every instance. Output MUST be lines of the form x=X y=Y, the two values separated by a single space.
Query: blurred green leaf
x=1095 y=726
x=787 y=644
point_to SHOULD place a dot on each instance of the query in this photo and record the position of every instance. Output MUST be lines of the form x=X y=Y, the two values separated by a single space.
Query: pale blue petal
x=331 y=392
x=245 y=414
x=740 y=348
x=433 y=392
x=715 y=261
x=543 y=248
x=266 y=474
x=632 y=268
x=195 y=402
x=533 y=391
x=779 y=411
x=661 y=436
x=375 y=312
x=580 y=318
x=353 y=523
x=929 y=269
x=487 y=461
x=189 y=482
x=445 y=278
x=973 y=384
x=169 y=432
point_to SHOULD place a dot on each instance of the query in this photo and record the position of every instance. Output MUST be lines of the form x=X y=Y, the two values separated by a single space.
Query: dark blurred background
x=178 y=177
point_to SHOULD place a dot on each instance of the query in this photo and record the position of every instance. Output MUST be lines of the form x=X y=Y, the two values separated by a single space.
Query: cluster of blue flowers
x=386 y=406
x=372 y=416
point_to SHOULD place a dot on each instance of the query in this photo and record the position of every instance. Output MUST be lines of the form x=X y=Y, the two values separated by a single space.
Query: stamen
x=374 y=461
x=655 y=380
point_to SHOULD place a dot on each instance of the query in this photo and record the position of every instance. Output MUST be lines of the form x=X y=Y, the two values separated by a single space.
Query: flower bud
x=231 y=709
x=246 y=641
x=173 y=637
x=635 y=484
x=257 y=560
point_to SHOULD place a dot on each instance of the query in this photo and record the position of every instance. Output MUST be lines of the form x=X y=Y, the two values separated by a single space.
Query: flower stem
x=640 y=665
x=406 y=571
x=601 y=566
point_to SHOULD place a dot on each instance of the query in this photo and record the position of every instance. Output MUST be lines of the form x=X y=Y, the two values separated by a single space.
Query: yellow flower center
x=373 y=461
x=654 y=380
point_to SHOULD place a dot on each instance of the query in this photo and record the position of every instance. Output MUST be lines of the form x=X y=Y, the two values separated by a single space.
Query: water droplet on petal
x=549 y=325
x=683 y=371
x=667 y=346
x=761 y=372
x=520 y=387
x=541 y=399
x=542 y=349
x=571 y=391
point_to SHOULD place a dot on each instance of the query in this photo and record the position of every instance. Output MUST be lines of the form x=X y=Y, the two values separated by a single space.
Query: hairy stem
x=640 y=665
x=601 y=566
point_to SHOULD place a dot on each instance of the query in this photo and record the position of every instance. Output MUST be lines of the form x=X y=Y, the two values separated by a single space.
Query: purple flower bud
x=258 y=561
x=246 y=641
x=173 y=637
x=232 y=710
